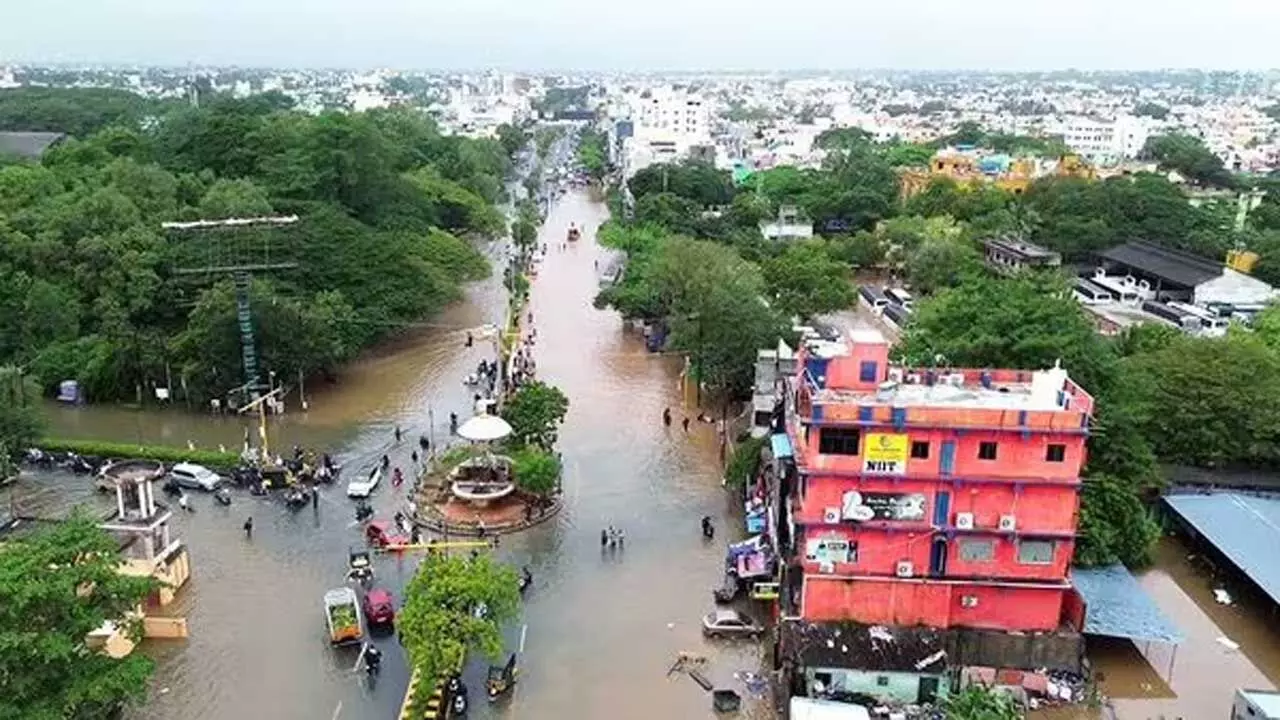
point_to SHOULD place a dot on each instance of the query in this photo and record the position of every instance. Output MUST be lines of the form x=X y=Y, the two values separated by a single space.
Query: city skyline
x=985 y=35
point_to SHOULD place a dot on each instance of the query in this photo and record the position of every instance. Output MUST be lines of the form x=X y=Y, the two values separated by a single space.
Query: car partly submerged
x=363 y=487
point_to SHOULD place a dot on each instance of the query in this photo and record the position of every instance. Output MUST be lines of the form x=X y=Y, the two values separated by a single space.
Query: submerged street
x=602 y=628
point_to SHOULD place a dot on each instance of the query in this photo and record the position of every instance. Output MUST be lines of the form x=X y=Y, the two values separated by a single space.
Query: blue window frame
x=868 y=371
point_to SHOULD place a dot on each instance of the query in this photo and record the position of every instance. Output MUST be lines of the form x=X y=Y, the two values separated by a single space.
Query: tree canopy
x=57 y=586
x=385 y=203
x=454 y=604
x=535 y=412
x=1189 y=157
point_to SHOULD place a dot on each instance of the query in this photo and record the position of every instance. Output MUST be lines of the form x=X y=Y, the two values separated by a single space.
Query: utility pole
x=240 y=261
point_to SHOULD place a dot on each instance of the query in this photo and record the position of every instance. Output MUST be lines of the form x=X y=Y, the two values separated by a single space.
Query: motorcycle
x=364 y=511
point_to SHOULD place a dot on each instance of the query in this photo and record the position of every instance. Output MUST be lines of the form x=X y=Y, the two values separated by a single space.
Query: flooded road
x=601 y=629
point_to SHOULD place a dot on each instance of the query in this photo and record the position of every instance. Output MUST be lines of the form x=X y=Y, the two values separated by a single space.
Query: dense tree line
x=88 y=282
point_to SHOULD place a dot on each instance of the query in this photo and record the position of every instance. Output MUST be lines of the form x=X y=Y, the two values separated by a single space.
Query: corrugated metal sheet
x=1244 y=528
x=1117 y=606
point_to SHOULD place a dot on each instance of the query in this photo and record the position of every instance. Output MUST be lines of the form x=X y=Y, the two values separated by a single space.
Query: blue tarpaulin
x=781 y=445
x=1117 y=606
x=1244 y=528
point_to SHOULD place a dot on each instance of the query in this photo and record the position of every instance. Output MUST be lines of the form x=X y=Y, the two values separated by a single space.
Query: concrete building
x=1008 y=255
x=1106 y=141
x=927 y=497
x=790 y=224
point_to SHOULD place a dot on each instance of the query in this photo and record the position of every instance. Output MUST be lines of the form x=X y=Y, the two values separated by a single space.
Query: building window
x=987 y=451
x=977 y=550
x=882 y=680
x=920 y=450
x=1035 y=552
x=838 y=441
x=868 y=371
x=1055 y=453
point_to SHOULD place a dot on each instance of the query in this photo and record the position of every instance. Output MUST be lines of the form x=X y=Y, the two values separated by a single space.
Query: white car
x=196 y=477
x=363 y=487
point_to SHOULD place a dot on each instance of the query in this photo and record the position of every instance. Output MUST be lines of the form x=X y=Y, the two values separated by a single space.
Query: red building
x=939 y=497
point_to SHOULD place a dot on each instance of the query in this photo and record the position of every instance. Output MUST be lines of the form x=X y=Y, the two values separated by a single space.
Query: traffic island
x=445 y=514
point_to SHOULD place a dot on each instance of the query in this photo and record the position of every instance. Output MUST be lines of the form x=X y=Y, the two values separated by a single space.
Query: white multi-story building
x=1106 y=141
x=675 y=113
x=668 y=124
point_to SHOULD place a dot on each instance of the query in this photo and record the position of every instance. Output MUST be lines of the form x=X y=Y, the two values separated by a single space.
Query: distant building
x=1106 y=141
x=28 y=145
x=1008 y=254
x=790 y=224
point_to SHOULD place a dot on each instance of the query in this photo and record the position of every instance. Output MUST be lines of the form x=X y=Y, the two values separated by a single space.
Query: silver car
x=195 y=477
x=730 y=623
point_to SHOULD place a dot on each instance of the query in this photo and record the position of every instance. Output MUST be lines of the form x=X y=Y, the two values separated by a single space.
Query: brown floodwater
x=599 y=630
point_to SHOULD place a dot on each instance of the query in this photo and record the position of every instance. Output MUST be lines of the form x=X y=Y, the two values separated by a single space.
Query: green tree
x=57 y=586
x=804 y=281
x=937 y=263
x=1218 y=400
x=1115 y=525
x=20 y=420
x=978 y=702
x=537 y=471
x=1189 y=157
x=454 y=605
x=535 y=412
x=908 y=155
x=512 y=138
x=1151 y=110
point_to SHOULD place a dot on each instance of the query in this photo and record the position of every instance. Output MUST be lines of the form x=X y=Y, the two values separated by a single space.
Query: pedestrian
x=480 y=529
x=315 y=498
x=470 y=340
x=397 y=478
x=666 y=416
x=685 y=423
x=414 y=456
x=423 y=443
x=184 y=503
x=248 y=527
x=399 y=433
x=386 y=462
x=453 y=423
x=621 y=537
x=604 y=538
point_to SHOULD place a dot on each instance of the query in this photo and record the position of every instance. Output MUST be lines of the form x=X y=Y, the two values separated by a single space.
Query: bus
x=873 y=297
x=1091 y=293
x=899 y=297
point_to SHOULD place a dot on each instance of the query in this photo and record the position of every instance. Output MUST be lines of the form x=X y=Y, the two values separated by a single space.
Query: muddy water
x=602 y=629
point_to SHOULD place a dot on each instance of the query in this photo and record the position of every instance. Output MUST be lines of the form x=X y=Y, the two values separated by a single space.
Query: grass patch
x=131 y=451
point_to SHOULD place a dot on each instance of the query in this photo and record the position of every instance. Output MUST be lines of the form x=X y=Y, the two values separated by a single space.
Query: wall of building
x=1020 y=455
x=884 y=686
x=893 y=601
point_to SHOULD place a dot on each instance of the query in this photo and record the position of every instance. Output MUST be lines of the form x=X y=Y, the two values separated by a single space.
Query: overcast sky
x=649 y=34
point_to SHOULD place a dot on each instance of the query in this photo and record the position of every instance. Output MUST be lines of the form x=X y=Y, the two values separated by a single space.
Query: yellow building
x=1012 y=175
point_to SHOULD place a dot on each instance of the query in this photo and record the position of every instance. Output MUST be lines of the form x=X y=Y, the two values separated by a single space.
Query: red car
x=379 y=607
x=379 y=534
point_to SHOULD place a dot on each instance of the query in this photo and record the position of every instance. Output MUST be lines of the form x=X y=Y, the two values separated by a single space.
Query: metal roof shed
x=1245 y=529
x=1116 y=606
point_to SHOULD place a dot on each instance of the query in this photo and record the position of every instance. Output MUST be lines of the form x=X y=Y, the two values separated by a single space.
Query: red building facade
x=944 y=498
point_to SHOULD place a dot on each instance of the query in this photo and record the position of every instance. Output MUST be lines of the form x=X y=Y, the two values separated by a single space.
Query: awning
x=1117 y=606
x=781 y=445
